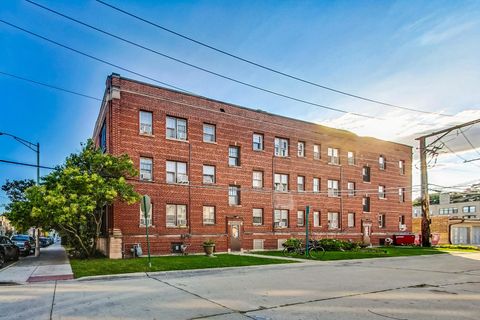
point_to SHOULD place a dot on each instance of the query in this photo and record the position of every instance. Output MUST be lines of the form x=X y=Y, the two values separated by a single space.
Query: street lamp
x=35 y=147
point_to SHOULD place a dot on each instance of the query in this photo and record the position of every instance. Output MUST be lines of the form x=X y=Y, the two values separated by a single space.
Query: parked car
x=25 y=243
x=8 y=250
x=44 y=242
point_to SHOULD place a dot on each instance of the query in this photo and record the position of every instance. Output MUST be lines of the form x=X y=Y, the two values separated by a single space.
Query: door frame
x=230 y=223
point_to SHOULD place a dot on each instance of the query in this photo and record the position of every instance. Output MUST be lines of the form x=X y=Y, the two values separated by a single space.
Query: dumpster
x=403 y=239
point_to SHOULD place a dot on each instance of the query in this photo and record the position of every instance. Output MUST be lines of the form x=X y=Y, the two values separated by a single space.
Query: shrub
x=338 y=245
x=292 y=242
x=458 y=246
x=209 y=242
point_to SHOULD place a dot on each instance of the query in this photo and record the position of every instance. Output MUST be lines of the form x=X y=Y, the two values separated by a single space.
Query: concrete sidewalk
x=52 y=264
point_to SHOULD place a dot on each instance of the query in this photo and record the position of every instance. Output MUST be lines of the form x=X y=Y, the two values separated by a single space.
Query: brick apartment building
x=244 y=177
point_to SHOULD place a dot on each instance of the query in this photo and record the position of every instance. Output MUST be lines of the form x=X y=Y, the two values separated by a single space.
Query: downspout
x=189 y=188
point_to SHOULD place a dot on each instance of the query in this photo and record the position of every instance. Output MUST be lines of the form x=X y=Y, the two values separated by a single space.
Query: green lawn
x=103 y=266
x=371 y=253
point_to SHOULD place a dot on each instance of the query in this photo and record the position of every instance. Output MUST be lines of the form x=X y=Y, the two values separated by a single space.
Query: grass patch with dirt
x=105 y=266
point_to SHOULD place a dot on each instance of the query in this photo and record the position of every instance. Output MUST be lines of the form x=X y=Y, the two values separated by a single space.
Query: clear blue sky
x=421 y=54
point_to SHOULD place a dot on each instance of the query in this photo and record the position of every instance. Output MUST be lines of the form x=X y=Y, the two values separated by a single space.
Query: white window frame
x=401 y=195
x=280 y=218
x=382 y=217
x=351 y=220
x=316 y=219
x=316 y=152
x=209 y=137
x=351 y=158
x=300 y=218
x=351 y=188
x=366 y=173
x=301 y=183
x=257 y=142
x=257 y=179
x=257 y=213
x=149 y=217
x=281 y=147
x=208 y=215
x=176 y=176
x=179 y=215
x=174 y=131
x=401 y=166
x=234 y=157
x=146 y=124
x=145 y=173
x=208 y=177
x=280 y=182
x=382 y=162
x=382 y=192
x=316 y=185
x=301 y=149
x=333 y=220
x=233 y=195
x=469 y=209
x=333 y=157
x=366 y=202
x=333 y=188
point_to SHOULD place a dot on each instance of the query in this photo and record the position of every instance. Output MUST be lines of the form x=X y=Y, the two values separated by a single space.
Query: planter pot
x=209 y=249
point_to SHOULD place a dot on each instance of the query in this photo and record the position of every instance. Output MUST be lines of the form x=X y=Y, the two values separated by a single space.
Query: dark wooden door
x=235 y=236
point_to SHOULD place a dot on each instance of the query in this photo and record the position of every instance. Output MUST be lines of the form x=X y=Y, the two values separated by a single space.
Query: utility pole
x=424 y=176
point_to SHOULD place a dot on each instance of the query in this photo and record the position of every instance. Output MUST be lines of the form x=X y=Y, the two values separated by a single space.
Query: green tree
x=73 y=197
x=18 y=211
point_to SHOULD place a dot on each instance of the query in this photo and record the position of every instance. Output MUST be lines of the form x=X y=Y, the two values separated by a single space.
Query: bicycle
x=293 y=248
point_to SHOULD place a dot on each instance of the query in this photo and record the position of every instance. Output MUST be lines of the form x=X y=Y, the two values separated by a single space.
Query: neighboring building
x=244 y=177
x=5 y=227
x=454 y=223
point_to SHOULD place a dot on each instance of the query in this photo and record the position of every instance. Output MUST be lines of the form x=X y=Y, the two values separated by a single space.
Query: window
x=351 y=188
x=149 y=217
x=366 y=204
x=257 y=141
x=316 y=219
x=333 y=156
x=176 y=128
x=381 y=192
x=316 y=151
x=381 y=220
x=448 y=210
x=102 y=138
x=176 y=215
x=208 y=174
x=469 y=209
x=382 y=163
x=208 y=215
x=209 y=132
x=146 y=167
x=366 y=174
x=351 y=158
x=351 y=219
x=234 y=195
x=333 y=188
x=234 y=156
x=401 y=223
x=316 y=184
x=257 y=179
x=401 y=166
x=280 y=182
x=301 y=149
x=401 y=194
x=300 y=218
x=333 y=220
x=281 y=147
x=146 y=123
x=300 y=183
x=177 y=172
x=257 y=216
x=280 y=218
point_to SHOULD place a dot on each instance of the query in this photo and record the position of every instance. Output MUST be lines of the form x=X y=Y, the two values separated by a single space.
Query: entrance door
x=235 y=236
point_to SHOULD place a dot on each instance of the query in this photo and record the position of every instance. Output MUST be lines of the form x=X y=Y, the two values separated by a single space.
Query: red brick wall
x=235 y=126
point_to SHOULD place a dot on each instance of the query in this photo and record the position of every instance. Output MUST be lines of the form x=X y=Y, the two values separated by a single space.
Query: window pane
x=145 y=122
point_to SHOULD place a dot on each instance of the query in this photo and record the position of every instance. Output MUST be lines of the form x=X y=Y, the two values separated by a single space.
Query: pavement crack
x=53 y=299
x=385 y=316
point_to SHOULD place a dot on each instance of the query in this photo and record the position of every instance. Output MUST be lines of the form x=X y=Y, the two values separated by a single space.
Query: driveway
x=421 y=287
x=52 y=264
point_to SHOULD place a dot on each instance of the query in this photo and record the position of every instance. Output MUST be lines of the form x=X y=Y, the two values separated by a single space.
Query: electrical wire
x=469 y=142
x=185 y=63
x=263 y=66
x=458 y=156
x=49 y=86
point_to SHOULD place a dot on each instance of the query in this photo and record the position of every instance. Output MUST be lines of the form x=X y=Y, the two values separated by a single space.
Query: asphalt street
x=423 y=287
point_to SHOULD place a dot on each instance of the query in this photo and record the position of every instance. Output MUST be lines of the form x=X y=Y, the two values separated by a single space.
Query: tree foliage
x=73 y=197
x=18 y=210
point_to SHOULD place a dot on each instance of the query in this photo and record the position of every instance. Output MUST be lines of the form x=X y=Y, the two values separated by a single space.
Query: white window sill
x=257 y=225
x=143 y=226
x=177 y=184
x=179 y=140
x=150 y=135
x=210 y=142
x=177 y=227
x=143 y=180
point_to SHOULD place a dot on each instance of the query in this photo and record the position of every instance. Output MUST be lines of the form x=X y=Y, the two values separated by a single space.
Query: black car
x=25 y=243
x=8 y=250
x=44 y=242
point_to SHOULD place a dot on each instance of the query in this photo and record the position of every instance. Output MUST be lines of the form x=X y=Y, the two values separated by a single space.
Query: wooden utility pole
x=424 y=176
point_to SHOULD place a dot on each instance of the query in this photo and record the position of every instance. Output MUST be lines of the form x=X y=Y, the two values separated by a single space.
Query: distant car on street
x=8 y=251
x=44 y=242
x=25 y=243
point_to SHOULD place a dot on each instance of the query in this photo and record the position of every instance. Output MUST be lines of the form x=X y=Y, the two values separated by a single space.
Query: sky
x=419 y=54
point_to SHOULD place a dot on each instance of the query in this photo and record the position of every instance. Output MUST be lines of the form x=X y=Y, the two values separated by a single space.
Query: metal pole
x=424 y=194
x=307 y=211
x=146 y=231
x=37 y=233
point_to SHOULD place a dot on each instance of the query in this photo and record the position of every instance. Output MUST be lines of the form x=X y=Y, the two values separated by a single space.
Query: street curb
x=11 y=265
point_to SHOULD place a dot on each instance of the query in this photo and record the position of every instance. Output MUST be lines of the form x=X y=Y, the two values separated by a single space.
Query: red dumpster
x=403 y=239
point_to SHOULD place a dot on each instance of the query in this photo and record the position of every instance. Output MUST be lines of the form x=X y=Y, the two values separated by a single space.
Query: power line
x=188 y=64
x=26 y=164
x=263 y=66
x=459 y=156
x=469 y=142
x=49 y=86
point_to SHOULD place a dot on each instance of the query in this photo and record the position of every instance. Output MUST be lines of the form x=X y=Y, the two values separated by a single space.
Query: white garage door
x=460 y=235
x=476 y=235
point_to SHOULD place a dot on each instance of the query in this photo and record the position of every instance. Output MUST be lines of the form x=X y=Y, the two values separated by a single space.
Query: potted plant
x=208 y=247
